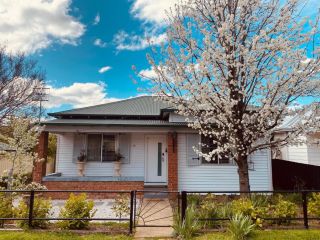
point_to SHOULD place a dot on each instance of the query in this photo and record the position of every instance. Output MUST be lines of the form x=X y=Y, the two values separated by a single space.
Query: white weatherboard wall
x=68 y=167
x=221 y=177
x=306 y=153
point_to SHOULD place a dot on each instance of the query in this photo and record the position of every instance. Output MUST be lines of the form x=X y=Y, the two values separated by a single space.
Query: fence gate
x=155 y=208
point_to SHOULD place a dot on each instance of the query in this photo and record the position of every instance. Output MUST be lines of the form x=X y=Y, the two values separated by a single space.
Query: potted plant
x=117 y=164
x=81 y=163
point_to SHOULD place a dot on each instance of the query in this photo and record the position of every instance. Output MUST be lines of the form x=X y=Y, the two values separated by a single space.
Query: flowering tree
x=21 y=155
x=21 y=84
x=235 y=68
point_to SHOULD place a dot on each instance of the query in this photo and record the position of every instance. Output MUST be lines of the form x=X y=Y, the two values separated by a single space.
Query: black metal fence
x=30 y=195
x=140 y=207
x=304 y=216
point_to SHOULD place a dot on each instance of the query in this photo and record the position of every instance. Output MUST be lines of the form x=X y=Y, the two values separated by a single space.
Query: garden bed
x=268 y=211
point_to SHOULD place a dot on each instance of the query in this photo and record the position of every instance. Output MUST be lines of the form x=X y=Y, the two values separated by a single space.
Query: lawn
x=8 y=235
x=270 y=235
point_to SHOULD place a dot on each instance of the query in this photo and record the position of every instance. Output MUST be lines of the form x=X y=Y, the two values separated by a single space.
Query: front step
x=155 y=191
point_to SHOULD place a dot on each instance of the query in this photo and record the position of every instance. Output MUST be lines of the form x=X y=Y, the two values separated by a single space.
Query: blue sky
x=87 y=48
x=67 y=64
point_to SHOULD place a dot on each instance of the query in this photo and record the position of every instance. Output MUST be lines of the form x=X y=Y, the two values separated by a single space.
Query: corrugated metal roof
x=289 y=122
x=112 y=122
x=139 y=106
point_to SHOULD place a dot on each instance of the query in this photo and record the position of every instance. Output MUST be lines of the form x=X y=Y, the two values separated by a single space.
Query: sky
x=87 y=47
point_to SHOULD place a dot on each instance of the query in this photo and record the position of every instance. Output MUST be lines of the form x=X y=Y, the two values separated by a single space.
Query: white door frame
x=164 y=138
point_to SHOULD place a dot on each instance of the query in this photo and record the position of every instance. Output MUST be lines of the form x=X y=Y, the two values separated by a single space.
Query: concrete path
x=154 y=212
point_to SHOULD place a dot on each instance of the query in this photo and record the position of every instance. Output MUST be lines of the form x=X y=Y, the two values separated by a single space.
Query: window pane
x=224 y=159
x=94 y=147
x=210 y=146
x=109 y=146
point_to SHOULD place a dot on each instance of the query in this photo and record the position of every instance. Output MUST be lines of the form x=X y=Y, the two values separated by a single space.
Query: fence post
x=134 y=208
x=305 y=209
x=131 y=212
x=184 y=204
x=31 y=203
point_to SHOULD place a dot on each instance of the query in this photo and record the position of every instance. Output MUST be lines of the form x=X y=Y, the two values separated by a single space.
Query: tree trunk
x=243 y=174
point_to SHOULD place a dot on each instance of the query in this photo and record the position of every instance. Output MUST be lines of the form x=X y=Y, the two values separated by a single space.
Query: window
x=108 y=148
x=208 y=146
x=94 y=147
x=101 y=147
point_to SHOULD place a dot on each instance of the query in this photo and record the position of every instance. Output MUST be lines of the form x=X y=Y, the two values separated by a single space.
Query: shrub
x=314 y=204
x=209 y=209
x=5 y=207
x=225 y=210
x=240 y=227
x=41 y=209
x=284 y=209
x=255 y=210
x=188 y=227
x=260 y=200
x=242 y=206
x=77 y=206
x=294 y=198
x=121 y=205
x=194 y=199
x=291 y=197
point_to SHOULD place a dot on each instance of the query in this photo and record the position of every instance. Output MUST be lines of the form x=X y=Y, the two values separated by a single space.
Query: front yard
x=258 y=235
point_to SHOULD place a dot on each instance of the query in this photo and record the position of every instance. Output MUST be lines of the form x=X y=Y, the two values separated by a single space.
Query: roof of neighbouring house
x=138 y=106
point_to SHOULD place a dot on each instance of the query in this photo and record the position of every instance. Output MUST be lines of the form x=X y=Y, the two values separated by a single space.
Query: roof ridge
x=102 y=104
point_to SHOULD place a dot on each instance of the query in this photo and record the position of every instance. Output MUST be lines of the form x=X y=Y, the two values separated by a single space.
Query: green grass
x=269 y=235
x=29 y=235
x=259 y=235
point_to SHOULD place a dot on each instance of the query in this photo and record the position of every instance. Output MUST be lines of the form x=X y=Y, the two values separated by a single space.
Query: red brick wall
x=105 y=186
x=172 y=162
x=39 y=169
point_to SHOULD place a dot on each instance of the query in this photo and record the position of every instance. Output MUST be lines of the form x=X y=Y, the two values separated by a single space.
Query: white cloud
x=104 y=69
x=98 y=42
x=29 y=26
x=152 y=14
x=148 y=74
x=125 y=41
x=151 y=10
x=78 y=95
x=96 y=19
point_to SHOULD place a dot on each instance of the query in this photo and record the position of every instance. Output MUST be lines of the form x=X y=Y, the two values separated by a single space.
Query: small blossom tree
x=235 y=68
x=22 y=156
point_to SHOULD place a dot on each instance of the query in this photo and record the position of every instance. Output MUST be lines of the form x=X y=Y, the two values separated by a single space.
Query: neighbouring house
x=155 y=146
x=307 y=152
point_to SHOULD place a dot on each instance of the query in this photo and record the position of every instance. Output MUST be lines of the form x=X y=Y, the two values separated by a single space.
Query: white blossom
x=252 y=66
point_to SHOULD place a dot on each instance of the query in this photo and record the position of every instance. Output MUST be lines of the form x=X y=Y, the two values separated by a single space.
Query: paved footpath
x=155 y=212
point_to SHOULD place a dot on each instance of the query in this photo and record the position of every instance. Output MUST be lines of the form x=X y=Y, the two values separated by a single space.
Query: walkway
x=155 y=212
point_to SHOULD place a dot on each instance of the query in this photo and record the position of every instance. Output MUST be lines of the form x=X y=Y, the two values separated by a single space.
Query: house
x=156 y=148
x=306 y=152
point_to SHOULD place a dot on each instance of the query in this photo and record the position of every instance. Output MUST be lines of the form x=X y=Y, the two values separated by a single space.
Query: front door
x=156 y=159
